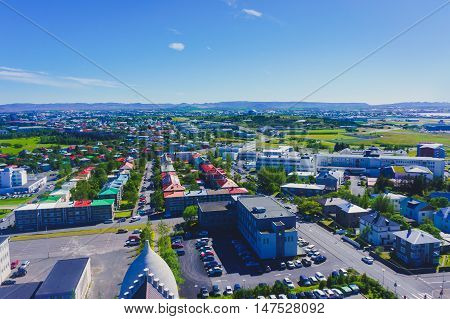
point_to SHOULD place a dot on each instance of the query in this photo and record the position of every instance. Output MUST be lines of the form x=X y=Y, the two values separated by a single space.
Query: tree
x=309 y=207
x=428 y=227
x=382 y=184
x=270 y=179
x=383 y=205
x=190 y=214
x=157 y=200
x=439 y=202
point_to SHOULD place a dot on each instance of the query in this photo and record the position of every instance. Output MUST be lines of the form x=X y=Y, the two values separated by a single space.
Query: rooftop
x=272 y=208
x=416 y=237
x=222 y=206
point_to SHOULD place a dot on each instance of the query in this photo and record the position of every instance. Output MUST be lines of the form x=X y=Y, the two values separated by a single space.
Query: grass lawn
x=408 y=137
x=27 y=143
x=444 y=261
x=122 y=214
x=11 y=202
x=83 y=232
x=4 y=212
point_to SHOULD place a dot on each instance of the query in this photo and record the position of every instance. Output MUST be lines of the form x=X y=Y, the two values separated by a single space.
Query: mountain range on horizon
x=221 y=106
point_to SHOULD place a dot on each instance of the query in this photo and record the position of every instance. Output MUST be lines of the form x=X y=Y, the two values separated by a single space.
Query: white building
x=378 y=230
x=13 y=177
x=5 y=260
x=290 y=161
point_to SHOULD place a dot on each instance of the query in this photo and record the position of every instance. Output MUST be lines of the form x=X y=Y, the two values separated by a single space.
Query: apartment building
x=417 y=248
x=378 y=230
x=5 y=260
x=13 y=177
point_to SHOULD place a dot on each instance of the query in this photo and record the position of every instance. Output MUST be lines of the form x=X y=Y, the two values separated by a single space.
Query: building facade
x=417 y=248
x=431 y=150
x=267 y=226
x=442 y=219
x=378 y=230
x=5 y=259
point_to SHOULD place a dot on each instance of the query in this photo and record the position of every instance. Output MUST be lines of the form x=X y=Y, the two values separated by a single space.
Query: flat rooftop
x=222 y=206
x=273 y=209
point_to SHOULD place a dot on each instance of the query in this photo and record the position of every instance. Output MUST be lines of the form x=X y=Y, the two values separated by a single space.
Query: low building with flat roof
x=68 y=279
x=217 y=214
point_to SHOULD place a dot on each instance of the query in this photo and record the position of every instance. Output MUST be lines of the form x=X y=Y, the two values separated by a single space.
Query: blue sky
x=224 y=50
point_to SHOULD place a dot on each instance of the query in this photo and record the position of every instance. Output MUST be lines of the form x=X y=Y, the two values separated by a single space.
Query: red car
x=134 y=237
x=177 y=245
x=207 y=253
x=15 y=263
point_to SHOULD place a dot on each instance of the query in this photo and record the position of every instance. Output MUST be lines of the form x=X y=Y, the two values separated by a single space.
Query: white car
x=343 y=272
x=288 y=283
x=368 y=260
x=320 y=276
x=228 y=291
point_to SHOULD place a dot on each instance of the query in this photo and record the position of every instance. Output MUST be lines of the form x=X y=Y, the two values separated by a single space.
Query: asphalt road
x=411 y=286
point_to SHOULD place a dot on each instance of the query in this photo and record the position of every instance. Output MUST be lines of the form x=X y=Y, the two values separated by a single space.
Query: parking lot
x=109 y=259
x=235 y=271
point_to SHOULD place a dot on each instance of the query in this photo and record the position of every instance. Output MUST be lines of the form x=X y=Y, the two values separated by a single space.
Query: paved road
x=354 y=188
x=407 y=285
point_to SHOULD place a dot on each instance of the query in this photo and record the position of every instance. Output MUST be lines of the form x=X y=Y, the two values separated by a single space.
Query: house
x=308 y=190
x=416 y=209
x=417 y=248
x=331 y=179
x=68 y=279
x=442 y=219
x=268 y=227
x=348 y=215
x=378 y=230
x=5 y=260
x=330 y=206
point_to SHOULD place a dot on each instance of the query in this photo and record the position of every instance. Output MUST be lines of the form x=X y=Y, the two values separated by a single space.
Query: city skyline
x=224 y=50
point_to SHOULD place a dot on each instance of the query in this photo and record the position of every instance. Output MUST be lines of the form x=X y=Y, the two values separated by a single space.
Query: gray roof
x=63 y=278
x=416 y=237
x=272 y=208
x=378 y=220
x=3 y=239
x=221 y=206
x=153 y=263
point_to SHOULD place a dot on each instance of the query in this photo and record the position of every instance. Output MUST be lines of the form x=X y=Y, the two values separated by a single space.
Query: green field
x=14 y=202
x=19 y=144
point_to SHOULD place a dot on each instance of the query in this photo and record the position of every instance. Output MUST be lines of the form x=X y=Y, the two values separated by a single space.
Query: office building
x=431 y=150
x=12 y=177
x=268 y=227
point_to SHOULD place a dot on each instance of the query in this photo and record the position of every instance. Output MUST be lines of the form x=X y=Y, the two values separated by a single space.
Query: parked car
x=310 y=295
x=339 y=294
x=204 y=292
x=313 y=280
x=180 y=252
x=298 y=263
x=368 y=260
x=15 y=263
x=216 y=290
x=137 y=231
x=354 y=288
x=319 y=294
x=24 y=263
x=237 y=287
x=346 y=290
x=320 y=259
x=288 y=283
x=282 y=296
x=206 y=253
x=8 y=282
x=208 y=258
x=177 y=246
x=320 y=276
x=304 y=281
x=306 y=262
x=301 y=295
x=122 y=220
x=290 y=265
x=291 y=296
x=215 y=272
x=228 y=291
x=282 y=266
x=268 y=269
x=330 y=294
x=211 y=264
x=122 y=231
x=343 y=272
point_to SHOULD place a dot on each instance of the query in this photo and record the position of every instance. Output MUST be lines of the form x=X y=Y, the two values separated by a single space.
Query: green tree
x=439 y=202
x=383 y=205
x=309 y=206
x=428 y=227
x=190 y=214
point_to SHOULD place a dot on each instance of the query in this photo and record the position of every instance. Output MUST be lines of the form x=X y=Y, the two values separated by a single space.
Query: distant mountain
x=221 y=106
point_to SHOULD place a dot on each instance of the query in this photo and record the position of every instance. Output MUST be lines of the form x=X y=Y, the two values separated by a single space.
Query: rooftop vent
x=258 y=210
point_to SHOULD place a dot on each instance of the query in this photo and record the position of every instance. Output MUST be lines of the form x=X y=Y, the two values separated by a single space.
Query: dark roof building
x=69 y=279
x=20 y=291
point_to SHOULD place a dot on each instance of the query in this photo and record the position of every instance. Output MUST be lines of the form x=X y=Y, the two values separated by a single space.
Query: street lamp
x=382 y=269
x=395 y=288
x=243 y=283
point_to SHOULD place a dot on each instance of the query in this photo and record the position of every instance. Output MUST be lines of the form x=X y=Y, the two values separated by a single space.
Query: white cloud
x=231 y=3
x=177 y=46
x=175 y=31
x=252 y=12
x=43 y=78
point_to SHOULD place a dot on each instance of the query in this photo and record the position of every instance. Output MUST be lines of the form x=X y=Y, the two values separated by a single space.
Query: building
x=330 y=206
x=406 y=172
x=5 y=260
x=371 y=165
x=290 y=161
x=220 y=214
x=40 y=216
x=417 y=248
x=20 y=291
x=431 y=150
x=268 y=227
x=348 y=215
x=331 y=179
x=68 y=279
x=416 y=209
x=378 y=230
x=442 y=219
x=395 y=199
x=11 y=177
x=307 y=190
x=435 y=127
x=149 y=277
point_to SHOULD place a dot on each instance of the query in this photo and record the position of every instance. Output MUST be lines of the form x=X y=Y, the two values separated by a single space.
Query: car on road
x=122 y=231
x=288 y=283
x=135 y=219
x=122 y=220
x=180 y=252
x=204 y=292
x=177 y=246
x=8 y=282
x=368 y=260
x=132 y=242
